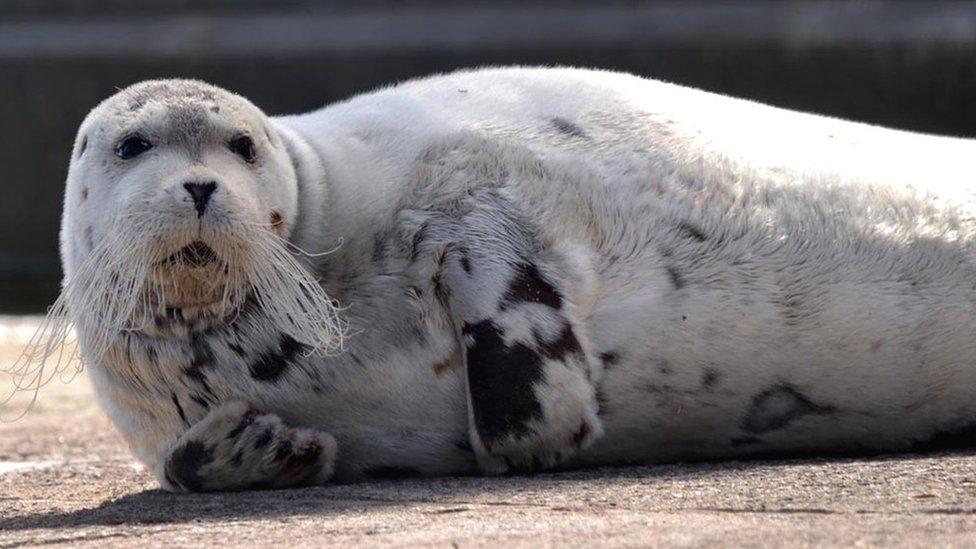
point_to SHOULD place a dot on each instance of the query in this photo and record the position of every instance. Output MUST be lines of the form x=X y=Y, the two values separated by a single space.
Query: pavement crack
x=779 y=511
x=33 y=542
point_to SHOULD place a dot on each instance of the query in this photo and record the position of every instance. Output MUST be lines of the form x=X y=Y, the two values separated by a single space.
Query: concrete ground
x=67 y=479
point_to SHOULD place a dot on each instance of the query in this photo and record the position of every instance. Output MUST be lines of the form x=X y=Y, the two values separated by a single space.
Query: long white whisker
x=122 y=287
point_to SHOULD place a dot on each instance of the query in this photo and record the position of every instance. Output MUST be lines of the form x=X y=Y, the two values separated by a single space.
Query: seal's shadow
x=158 y=507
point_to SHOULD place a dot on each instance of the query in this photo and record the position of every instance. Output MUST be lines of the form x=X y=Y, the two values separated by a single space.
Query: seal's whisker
x=288 y=293
x=294 y=247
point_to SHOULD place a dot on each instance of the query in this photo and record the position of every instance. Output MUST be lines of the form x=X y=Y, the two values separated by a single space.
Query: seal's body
x=539 y=268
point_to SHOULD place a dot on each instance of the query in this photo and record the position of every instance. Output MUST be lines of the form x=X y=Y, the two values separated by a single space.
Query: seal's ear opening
x=277 y=222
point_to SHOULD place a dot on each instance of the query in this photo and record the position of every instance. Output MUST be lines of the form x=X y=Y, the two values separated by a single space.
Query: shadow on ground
x=155 y=506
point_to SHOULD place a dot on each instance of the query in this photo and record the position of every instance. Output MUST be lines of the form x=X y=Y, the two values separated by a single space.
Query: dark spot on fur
x=390 y=472
x=418 y=239
x=283 y=450
x=584 y=429
x=675 y=277
x=791 y=306
x=379 y=248
x=609 y=358
x=273 y=364
x=88 y=238
x=441 y=291
x=776 y=408
x=215 y=109
x=796 y=301
x=201 y=357
x=238 y=350
x=202 y=354
x=201 y=402
x=501 y=380
x=567 y=127
x=464 y=445
x=237 y=458
x=263 y=439
x=564 y=344
x=199 y=377
x=466 y=264
x=528 y=286
x=151 y=354
x=658 y=388
x=689 y=231
x=84 y=194
x=709 y=377
x=81 y=151
x=664 y=368
x=184 y=465
x=179 y=408
x=247 y=421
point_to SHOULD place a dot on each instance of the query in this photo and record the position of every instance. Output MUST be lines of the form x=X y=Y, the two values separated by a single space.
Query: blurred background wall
x=903 y=63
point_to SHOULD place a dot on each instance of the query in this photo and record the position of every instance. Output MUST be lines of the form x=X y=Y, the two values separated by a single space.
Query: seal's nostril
x=201 y=194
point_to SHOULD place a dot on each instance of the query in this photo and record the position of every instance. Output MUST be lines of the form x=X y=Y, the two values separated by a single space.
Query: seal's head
x=178 y=176
x=179 y=203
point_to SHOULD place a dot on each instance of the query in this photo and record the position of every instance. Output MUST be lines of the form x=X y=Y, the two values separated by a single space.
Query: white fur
x=767 y=281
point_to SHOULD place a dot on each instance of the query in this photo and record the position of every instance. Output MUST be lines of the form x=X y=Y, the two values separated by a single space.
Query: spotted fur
x=557 y=267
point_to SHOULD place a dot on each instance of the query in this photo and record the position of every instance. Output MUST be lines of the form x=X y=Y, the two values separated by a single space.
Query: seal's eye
x=131 y=147
x=243 y=146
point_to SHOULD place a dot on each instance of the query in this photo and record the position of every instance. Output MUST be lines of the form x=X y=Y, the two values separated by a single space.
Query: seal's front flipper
x=237 y=448
x=531 y=402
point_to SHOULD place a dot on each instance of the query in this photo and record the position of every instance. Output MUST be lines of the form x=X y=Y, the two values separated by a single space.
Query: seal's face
x=179 y=202
x=184 y=174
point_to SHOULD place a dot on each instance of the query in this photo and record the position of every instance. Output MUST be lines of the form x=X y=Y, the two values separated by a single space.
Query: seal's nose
x=201 y=194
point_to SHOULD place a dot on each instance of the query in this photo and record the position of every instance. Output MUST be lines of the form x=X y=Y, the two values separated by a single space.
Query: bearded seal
x=508 y=270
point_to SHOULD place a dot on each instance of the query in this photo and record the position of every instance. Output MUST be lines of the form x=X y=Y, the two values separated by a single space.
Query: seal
x=510 y=270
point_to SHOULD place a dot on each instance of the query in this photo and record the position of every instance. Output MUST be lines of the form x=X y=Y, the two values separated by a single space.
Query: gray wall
x=909 y=64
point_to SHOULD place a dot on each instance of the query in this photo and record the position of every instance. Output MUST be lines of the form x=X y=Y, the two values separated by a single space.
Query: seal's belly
x=770 y=317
